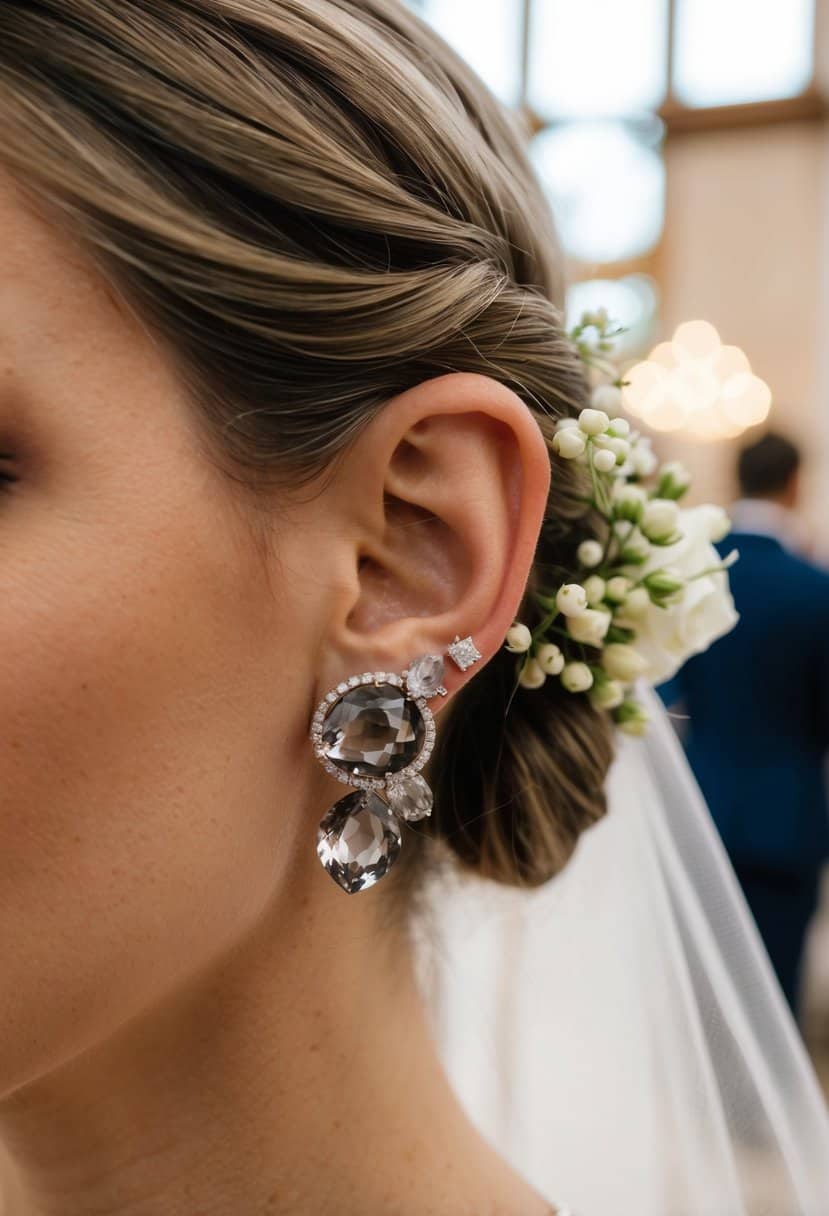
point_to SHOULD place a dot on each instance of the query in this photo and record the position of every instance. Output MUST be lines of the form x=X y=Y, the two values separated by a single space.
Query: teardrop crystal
x=425 y=675
x=358 y=840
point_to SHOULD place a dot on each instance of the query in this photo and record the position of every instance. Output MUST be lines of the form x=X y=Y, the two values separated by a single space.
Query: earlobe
x=448 y=487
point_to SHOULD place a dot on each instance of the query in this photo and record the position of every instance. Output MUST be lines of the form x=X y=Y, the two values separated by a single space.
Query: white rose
x=719 y=524
x=577 y=677
x=550 y=659
x=660 y=518
x=667 y=636
x=622 y=662
x=519 y=638
x=589 y=626
x=571 y=599
x=590 y=553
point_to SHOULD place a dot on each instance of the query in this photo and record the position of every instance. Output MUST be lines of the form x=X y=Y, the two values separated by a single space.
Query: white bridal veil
x=618 y=1033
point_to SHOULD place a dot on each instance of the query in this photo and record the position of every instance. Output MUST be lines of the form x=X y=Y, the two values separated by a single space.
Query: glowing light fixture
x=696 y=384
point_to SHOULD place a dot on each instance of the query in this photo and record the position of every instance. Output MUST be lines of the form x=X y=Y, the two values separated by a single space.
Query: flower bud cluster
x=597 y=633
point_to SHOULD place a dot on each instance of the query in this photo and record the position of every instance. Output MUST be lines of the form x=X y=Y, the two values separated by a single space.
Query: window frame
x=679 y=118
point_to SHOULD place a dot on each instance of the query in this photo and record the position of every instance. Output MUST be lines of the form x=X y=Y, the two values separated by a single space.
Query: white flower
x=569 y=442
x=607 y=398
x=622 y=662
x=636 y=548
x=644 y=461
x=619 y=447
x=660 y=518
x=531 y=675
x=571 y=599
x=674 y=480
x=563 y=423
x=589 y=626
x=637 y=602
x=604 y=461
x=719 y=524
x=628 y=501
x=607 y=694
x=664 y=583
x=617 y=589
x=619 y=428
x=667 y=636
x=632 y=718
x=519 y=638
x=593 y=422
x=594 y=589
x=590 y=553
x=550 y=658
x=577 y=677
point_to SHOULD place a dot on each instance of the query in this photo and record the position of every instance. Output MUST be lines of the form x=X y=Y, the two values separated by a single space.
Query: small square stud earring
x=463 y=652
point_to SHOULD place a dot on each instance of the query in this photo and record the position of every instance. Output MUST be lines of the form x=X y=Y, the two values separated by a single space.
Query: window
x=601 y=79
x=607 y=58
x=488 y=34
x=594 y=59
x=742 y=50
x=606 y=184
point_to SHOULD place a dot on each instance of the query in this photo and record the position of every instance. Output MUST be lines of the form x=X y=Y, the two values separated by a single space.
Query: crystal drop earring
x=376 y=731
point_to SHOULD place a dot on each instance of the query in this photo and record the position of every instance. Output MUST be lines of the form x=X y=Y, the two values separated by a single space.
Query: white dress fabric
x=619 y=1034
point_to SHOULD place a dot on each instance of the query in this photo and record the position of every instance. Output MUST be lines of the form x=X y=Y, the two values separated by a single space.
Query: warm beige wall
x=745 y=248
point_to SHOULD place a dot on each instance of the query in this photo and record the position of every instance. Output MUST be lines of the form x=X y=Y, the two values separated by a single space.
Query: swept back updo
x=316 y=204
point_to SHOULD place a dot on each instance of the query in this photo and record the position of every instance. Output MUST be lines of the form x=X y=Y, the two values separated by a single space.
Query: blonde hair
x=316 y=204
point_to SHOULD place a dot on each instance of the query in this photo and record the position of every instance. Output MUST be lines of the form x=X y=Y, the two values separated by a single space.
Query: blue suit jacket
x=758 y=702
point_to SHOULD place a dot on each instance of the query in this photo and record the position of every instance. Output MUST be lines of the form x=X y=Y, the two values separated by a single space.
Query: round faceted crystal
x=410 y=797
x=373 y=730
x=425 y=675
x=358 y=840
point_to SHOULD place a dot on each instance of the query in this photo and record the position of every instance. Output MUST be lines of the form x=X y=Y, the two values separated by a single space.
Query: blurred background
x=684 y=146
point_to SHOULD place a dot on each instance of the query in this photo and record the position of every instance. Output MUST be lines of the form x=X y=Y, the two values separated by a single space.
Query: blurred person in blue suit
x=757 y=701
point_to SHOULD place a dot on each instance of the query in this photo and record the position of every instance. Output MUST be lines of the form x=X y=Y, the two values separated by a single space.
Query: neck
x=296 y=1075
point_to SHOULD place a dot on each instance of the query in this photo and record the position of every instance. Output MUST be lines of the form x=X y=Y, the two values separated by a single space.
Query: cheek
x=139 y=755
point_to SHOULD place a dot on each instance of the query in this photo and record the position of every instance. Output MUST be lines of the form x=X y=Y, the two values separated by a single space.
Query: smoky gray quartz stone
x=358 y=840
x=373 y=730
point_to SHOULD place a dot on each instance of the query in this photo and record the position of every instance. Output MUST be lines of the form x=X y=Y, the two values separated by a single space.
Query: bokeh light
x=696 y=384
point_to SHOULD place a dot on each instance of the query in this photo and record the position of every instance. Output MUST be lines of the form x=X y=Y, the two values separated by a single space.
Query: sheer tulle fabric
x=619 y=1033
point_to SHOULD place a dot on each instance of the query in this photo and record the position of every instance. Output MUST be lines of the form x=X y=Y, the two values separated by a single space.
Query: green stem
x=602 y=502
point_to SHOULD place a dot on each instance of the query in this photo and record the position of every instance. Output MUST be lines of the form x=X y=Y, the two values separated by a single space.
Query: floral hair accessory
x=647 y=589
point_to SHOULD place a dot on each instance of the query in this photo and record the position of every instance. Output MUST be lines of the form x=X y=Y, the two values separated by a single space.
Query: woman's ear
x=442 y=497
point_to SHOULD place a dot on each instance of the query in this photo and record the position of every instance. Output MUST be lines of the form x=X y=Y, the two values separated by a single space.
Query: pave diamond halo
x=375 y=731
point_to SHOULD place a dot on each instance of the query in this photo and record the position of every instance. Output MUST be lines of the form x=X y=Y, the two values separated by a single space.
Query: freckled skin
x=193 y=1018
x=127 y=717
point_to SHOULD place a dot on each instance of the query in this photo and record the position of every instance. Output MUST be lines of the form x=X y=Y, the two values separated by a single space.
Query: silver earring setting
x=376 y=731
